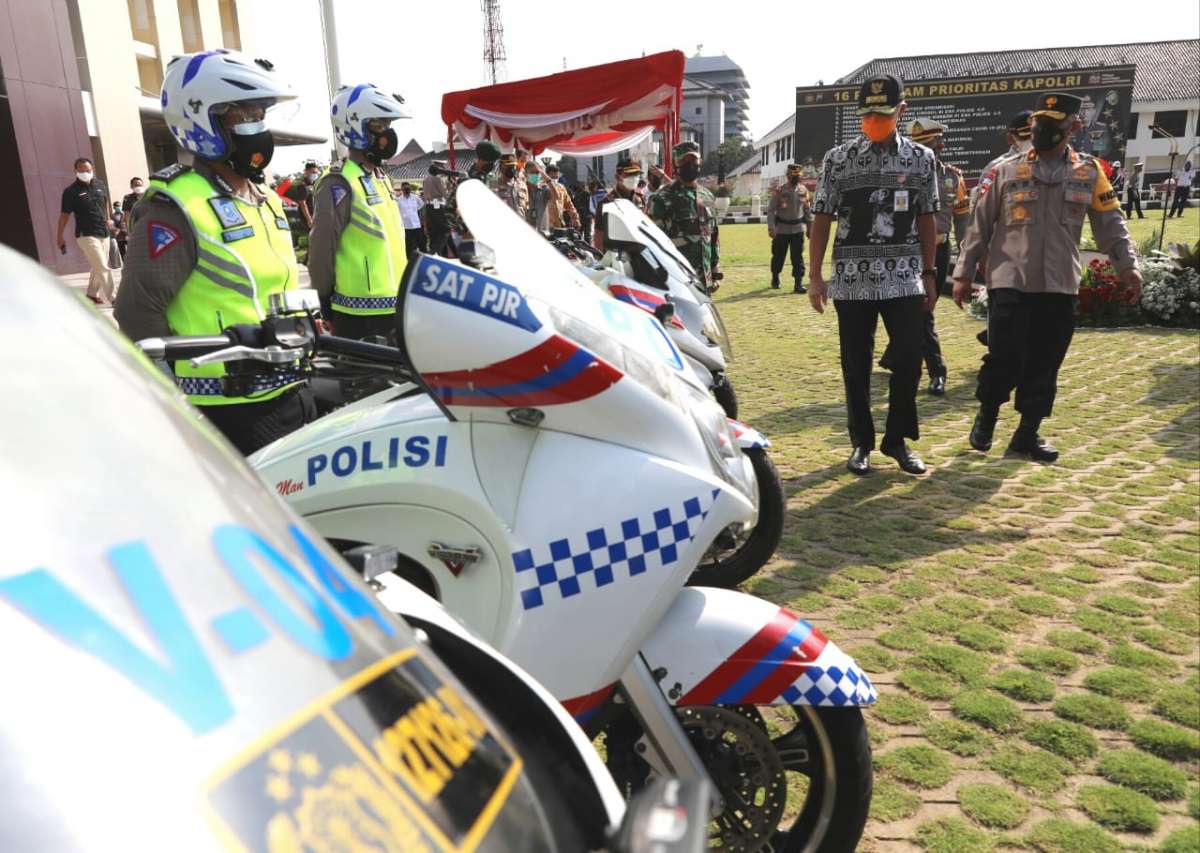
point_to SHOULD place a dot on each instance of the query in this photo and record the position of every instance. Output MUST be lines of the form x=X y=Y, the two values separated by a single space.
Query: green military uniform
x=356 y=251
x=688 y=216
x=486 y=152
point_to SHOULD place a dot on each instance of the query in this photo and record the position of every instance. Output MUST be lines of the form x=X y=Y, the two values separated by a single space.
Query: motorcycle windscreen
x=187 y=664
x=529 y=330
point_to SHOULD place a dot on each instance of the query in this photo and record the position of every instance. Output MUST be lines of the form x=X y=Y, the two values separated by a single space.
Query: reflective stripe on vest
x=243 y=255
x=370 y=256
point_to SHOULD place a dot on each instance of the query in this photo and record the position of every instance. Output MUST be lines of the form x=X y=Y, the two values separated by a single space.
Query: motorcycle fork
x=664 y=745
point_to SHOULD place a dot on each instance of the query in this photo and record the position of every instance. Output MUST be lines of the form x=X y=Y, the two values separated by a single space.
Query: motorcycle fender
x=747 y=437
x=718 y=647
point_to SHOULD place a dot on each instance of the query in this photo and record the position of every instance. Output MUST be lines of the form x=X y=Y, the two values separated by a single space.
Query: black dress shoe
x=884 y=361
x=859 y=462
x=909 y=462
x=937 y=386
x=981 y=432
x=774 y=282
x=1036 y=448
x=799 y=288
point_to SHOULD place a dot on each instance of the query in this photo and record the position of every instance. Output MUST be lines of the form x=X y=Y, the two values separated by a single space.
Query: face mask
x=510 y=172
x=689 y=170
x=1023 y=145
x=1047 y=135
x=253 y=147
x=793 y=179
x=139 y=190
x=534 y=178
x=480 y=171
x=86 y=177
x=310 y=178
x=878 y=128
x=383 y=146
x=629 y=183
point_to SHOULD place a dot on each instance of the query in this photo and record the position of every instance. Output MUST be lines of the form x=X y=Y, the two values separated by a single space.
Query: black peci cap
x=881 y=94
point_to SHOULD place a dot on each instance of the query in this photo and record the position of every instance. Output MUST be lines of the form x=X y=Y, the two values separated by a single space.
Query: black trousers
x=361 y=326
x=857 y=321
x=931 y=344
x=414 y=241
x=438 y=231
x=251 y=426
x=1028 y=338
x=1133 y=201
x=1181 y=201
x=781 y=244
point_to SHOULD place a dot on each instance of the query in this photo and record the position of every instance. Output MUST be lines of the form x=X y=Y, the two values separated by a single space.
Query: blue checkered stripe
x=608 y=554
x=833 y=686
x=204 y=386
x=367 y=303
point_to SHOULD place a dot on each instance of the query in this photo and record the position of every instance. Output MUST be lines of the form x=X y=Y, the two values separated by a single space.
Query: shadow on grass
x=1176 y=383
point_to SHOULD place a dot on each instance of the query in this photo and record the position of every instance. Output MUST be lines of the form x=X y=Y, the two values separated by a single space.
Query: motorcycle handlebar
x=358 y=349
x=183 y=347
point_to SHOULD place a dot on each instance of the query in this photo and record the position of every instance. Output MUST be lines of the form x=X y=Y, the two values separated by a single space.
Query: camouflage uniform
x=486 y=152
x=688 y=216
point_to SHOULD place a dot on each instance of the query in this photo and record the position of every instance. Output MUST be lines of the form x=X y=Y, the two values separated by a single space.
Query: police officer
x=788 y=221
x=1026 y=225
x=486 y=155
x=628 y=175
x=435 y=190
x=1017 y=136
x=207 y=247
x=356 y=253
x=953 y=211
x=686 y=211
x=511 y=186
x=1133 y=189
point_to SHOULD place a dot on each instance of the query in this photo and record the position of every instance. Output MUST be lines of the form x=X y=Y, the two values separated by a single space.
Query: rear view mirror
x=665 y=312
x=294 y=302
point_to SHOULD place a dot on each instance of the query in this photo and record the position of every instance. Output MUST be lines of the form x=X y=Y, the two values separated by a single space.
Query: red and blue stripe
x=555 y=372
x=583 y=708
x=763 y=667
x=640 y=299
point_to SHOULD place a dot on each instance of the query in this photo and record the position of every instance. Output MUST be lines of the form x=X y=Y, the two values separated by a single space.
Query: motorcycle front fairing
x=188 y=666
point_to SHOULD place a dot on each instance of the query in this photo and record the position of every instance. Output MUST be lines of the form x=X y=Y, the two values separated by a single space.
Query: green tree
x=735 y=151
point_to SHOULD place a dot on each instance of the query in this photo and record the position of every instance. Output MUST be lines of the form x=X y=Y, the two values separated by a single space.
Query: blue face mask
x=534 y=178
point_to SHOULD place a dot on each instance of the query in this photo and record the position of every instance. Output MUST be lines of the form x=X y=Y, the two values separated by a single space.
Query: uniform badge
x=338 y=192
x=900 y=201
x=368 y=184
x=1024 y=171
x=282 y=223
x=234 y=234
x=162 y=237
x=1018 y=214
x=227 y=211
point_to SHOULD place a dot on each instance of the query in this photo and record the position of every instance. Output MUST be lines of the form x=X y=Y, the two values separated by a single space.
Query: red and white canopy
x=588 y=111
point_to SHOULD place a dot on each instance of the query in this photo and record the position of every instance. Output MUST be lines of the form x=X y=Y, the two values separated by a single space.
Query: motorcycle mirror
x=371 y=561
x=294 y=301
x=668 y=816
x=665 y=312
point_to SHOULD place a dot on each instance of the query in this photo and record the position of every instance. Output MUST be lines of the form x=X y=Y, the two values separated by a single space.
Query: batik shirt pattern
x=876 y=194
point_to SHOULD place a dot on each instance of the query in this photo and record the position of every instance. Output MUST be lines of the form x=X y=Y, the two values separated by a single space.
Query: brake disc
x=743 y=763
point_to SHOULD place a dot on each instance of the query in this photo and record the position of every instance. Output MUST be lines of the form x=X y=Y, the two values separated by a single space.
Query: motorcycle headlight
x=718 y=437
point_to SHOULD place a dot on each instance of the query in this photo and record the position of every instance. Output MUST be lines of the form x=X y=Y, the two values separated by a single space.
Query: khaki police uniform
x=788 y=217
x=1026 y=225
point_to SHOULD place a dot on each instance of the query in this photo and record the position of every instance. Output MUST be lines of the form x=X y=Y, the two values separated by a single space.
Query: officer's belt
x=368 y=303
x=207 y=386
x=781 y=221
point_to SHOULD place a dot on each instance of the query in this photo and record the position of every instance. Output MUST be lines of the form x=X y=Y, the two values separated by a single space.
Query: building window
x=189 y=26
x=1173 y=122
x=231 y=36
x=144 y=30
x=699 y=110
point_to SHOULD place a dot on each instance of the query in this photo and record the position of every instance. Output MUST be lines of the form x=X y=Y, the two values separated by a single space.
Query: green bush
x=993 y=806
x=1069 y=740
x=1099 y=712
x=1023 y=685
x=990 y=710
x=1166 y=740
x=1118 y=808
x=1145 y=773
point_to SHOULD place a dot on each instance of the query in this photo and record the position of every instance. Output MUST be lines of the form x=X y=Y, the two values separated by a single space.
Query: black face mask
x=510 y=172
x=689 y=170
x=477 y=171
x=383 y=146
x=794 y=179
x=1047 y=135
x=251 y=153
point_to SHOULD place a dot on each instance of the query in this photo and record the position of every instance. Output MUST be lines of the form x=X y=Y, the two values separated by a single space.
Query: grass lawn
x=1040 y=624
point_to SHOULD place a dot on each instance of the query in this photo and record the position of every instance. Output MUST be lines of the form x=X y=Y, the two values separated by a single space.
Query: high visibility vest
x=243 y=255
x=370 y=256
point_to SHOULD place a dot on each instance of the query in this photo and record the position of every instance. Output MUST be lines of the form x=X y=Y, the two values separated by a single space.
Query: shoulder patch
x=162 y=237
x=170 y=173
x=954 y=169
x=339 y=192
x=986 y=183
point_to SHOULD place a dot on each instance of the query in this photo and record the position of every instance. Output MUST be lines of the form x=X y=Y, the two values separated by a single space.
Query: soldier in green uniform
x=686 y=211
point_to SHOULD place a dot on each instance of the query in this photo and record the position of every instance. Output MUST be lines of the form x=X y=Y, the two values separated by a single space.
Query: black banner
x=976 y=111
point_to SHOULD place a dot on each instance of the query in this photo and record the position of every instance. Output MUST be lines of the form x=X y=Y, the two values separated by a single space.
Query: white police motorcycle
x=188 y=666
x=552 y=477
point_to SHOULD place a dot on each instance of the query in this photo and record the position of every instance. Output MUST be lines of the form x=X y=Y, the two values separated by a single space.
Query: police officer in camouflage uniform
x=788 y=221
x=1026 y=225
x=628 y=175
x=686 y=211
x=486 y=155
x=511 y=186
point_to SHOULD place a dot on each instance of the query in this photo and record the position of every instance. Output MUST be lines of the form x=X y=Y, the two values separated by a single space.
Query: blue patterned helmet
x=354 y=106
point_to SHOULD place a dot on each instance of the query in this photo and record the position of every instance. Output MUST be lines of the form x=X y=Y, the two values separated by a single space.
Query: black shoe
x=1036 y=448
x=937 y=386
x=982 y=430
x=885 y=362
x=909 y=462
x=774 y=282
x=859 y=462
x=799 y=288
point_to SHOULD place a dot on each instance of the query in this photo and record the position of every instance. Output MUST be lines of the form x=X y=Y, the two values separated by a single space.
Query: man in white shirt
x=410 y=215
x=1183 y=187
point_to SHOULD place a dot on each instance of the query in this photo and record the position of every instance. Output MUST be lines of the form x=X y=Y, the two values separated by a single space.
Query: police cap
x=1057 y=105
x=1019 y=124
x=925 y=130
x=626 y=166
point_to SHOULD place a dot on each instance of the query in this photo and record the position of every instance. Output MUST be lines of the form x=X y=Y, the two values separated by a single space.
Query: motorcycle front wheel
x=727 y=397
x=794 y=779
x=729 y=568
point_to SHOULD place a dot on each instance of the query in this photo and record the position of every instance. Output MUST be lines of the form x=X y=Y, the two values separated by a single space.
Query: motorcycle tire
x=727 y=397
x=835 y=810
x=729 y=570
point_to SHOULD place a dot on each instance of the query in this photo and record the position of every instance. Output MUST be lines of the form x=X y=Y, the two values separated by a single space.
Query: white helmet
x=195 y=83
x=354 y=106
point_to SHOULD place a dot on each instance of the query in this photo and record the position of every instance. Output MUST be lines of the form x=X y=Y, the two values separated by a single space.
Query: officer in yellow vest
x=356 y=250
x=207 y=247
